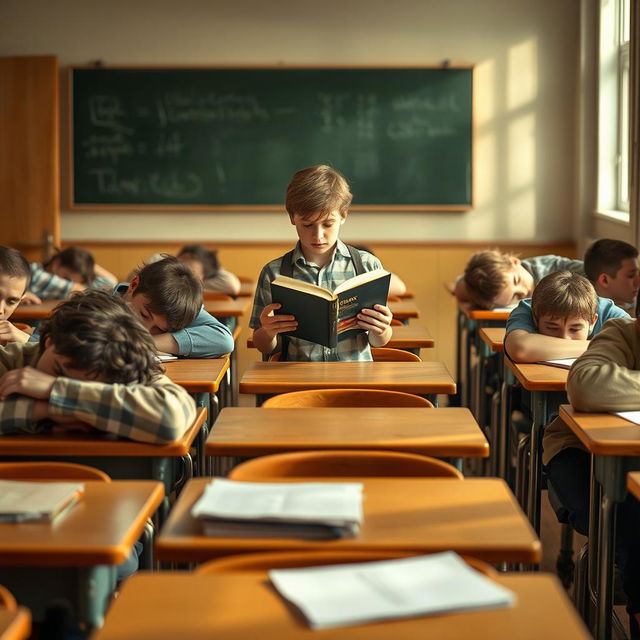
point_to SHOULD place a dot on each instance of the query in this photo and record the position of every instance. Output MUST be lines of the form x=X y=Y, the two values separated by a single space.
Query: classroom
x=552 y=168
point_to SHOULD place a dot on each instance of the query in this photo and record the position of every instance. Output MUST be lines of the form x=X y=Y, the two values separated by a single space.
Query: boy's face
x=140 y=304
x=63 y=272
x=570 y=328
x=56 y=365
x=623 y=287
x=518 y=284
x=318 y=236
x=12 y=288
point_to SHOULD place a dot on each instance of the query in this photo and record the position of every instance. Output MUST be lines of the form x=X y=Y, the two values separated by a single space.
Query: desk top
x=96 y=444
x=406 y=336
x=493 y=337
x=539 y=377
x=412 y=377
x=603 y=433
x=228 y=308
x=15 y=625
x=404 y=309
x=484 y=314
x=633 y=483
x=202 y=375
x=154 y=606
x=100 y=529
x=254 y=431
x=34 y=311
x=476 y=516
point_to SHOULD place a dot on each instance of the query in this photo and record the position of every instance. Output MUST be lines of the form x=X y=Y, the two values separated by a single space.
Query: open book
x=36 y=501
x=340 y=595
x=325 y=317
x=563 y=363
x=165 y=357
x=311 y=510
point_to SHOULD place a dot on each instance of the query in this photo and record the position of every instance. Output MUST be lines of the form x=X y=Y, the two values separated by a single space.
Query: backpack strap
x=356 y=258
x=286 y=264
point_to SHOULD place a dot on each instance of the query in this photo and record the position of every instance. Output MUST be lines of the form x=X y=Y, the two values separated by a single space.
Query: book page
x=563 y=363
x=340 y=595
x=24 y=501
x=301 y=285
x=631 y=416
x=361 y=279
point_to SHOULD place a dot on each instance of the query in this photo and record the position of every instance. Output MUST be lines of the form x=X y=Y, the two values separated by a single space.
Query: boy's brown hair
x=316 y=192
x=173 y=289
x=606 y=256
x=564 y=295
x=78 y=260
x=14 y=264
x=484 y=276
x=101 y=337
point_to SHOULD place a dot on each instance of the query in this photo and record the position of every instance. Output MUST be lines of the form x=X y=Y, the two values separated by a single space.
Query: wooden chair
x=259 y=562
x=54 y=471
x=215 y=295
x=7 y=601
x=387 y=354
x=346 y=398
x=338 y=463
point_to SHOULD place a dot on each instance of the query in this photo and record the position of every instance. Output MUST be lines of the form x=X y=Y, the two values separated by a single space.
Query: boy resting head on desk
x=558 y=320
x=495 y=279
x=317 y=201
x=95 y=364
x=167 y=297
x=612 y=267
x=14 y=280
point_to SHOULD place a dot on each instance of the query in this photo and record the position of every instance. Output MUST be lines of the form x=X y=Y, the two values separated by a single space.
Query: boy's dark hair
x=485 y=275
x=564 y=295
x=101 y=337
x=606 y=256
x=317 y=191
x=206 y=257
x=78 y=260
x=173 y=289
x=14 y=264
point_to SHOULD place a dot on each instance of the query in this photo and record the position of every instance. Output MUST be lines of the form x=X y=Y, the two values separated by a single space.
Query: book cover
x=325 y=317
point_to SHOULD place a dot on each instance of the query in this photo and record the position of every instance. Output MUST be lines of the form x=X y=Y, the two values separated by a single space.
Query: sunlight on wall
x=522 y=74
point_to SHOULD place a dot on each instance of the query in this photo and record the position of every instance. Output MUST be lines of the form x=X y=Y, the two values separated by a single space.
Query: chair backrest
x=346 y=398
x=343 y=464
x=215 y=295
x=387 y=354
x=259 y=562
x=7 y=601
x=54 y=471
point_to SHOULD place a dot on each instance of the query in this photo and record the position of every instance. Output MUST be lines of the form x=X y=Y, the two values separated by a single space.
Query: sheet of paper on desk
x=342 y=595
x=164 y=357
x=36 y=501
x=631 y=416
x=563 y=363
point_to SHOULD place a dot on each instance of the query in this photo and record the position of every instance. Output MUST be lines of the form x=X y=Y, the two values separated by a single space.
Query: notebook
x=350 y=594
x=36 y=501
x=313 y=510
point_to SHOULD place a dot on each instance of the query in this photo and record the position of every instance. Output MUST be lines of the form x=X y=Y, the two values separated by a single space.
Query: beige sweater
x=605 y=378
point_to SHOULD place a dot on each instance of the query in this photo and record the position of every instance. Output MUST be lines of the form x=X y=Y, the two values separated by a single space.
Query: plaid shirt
x=354 y=346
x=47 y=285
x=159 y=412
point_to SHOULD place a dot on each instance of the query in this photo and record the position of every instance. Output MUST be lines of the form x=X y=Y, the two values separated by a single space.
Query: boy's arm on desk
x=522 y=346
x=205 y=337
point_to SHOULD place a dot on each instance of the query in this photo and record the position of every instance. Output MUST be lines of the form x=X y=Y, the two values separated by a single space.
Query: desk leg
x=539 y=402
x=605 y=568
x=456 y=400
x=504 y=427
x=467 y=389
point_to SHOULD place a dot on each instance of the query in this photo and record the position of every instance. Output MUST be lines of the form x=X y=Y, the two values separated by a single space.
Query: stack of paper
x=341 y=595
x=165 y=357
x=283 y=510
x=563 y=363
x=36 y=501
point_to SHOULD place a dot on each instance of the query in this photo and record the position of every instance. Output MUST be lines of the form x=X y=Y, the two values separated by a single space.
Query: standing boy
x=167 y=296
x=317 y=201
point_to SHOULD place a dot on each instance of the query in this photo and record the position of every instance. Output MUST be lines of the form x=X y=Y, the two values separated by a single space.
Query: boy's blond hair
x=316 y=192
x=485 y=274
x=564 y=295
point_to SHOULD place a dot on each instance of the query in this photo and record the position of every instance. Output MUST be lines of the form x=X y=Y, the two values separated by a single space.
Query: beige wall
x=526 y=56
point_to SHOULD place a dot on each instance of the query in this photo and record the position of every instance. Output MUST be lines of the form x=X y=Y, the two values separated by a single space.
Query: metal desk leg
x=539 y=402
x=505 y=415
x=467 y=389
x=605 y=568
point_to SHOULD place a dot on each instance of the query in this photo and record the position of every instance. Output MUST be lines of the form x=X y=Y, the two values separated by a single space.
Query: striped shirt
x=49 y=286
x=355 y=345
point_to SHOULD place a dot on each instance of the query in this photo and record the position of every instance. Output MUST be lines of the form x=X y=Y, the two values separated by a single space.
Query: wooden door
x=29 y=154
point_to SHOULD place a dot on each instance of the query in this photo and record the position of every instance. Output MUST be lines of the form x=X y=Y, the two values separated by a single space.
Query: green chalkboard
x=232 y=137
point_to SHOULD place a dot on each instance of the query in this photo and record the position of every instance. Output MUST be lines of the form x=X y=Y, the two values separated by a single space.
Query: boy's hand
x=28 y=382
x=273 y=324
x=30 y=298
x=10 y=333
x=376 y=320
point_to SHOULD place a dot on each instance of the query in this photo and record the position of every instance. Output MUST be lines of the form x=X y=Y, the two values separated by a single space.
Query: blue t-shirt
x=522 y=316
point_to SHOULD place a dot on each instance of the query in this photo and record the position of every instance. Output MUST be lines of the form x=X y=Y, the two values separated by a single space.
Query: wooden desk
x=406 y=336
x=539 y=379
x=253 y=431
x=228 y=308
x=247 y=289
x=245 y=606
x=424 y=378
x=34 y=311
x=475 y=516
x=493 y=337
x=404 y=310
x=76 y=557
x=15 y=625
x=615 y=446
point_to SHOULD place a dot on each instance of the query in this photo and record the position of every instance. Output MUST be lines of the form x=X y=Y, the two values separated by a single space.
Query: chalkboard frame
x=102 y=207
